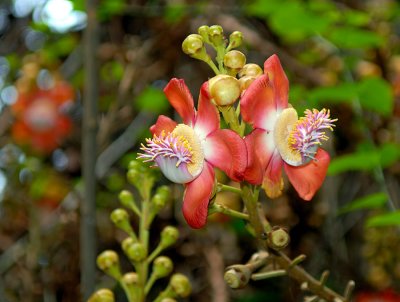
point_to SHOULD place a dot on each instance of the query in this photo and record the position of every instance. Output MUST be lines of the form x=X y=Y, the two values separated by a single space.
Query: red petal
x=164 y=123
x=226 y=150
x=260 y=147
x=258 y=102
x=279 y=81
x=181 y=99
x=197 y=196
x=207 y=119
x=308 y=179
x=273 y=182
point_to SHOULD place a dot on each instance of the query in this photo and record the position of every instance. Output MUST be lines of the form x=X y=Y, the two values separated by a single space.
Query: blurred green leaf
x=351 y=37
x=261 y=8
x=341 y=93
x=152 y=99
x=109 y=8
x=372 y=201
x=79 y=5
x=387 y=219
x=356 y=17
x=174 y=12
x=376 y=94
x=389 y=154
x=112 y=71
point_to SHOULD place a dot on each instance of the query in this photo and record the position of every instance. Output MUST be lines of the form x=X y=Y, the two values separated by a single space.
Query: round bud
x=169 y=235
x=134 y=165
x=237 y=278
x=245 y=82
x=250 y=69
x=119 y=216
x=162 y=266
x=235 y=39
x=107 y=260
x=168 y=300
x=126 y=198
x=180 y=285
x=134 y=250
x=278 y=238
x=216 y=35
x=161 y=197
x=203 y=32
x=234 y=60
x=192 y=44
x=224 y=89
x=133 y=176
x=130 y=278
x=102 y=295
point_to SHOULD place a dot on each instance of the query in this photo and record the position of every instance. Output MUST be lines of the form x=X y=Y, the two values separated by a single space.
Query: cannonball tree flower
x=187 y=152
x=280 y=139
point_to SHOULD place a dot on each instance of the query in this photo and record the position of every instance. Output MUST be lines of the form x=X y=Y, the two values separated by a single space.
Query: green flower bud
x=162 y=266
x=193 y=44
x=235 y=39
x=250 y=69
x=134 y=165
x=120 y=218
x=161 y=197
x=278 y=238
x=237 y=278
x=108 y=261
x=234 y=60
x=169 y=235
x=130 y=279
x=180 y=285
x=245 y=82
x=216 y=35
x=134 y=250
x=126 y=198
x=102 y=295
x=224 y=89
x=133 y=176
x=203 y=32
x=168 y=300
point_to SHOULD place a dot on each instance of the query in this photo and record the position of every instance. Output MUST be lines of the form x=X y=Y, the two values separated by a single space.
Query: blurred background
x=341 y=55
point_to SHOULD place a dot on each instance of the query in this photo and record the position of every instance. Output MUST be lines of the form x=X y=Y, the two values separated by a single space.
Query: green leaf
x=351 y=37
x=174 y=12
x=376 y=94
x=387 y=219
x=356 y=17
x=341 y=93
x=372 y=201
x=152 y=99
x=354 y=162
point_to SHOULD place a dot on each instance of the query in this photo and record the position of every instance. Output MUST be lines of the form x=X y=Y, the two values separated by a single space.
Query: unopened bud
x=168 y=300
x=193 y=44
x=169 y=235
x=203 y=32
x=234 y=60
x=130 y=279
x=120 y=218
x=161 y=197
x=102 y=295
x=134 y=250
x=245 y=82
x=250 y=69
x=216 y=35
x=278 y=238
x=133 y=176
x=180 y=285
x=108 y=261
x=235 y=39
x=162 y=266
x=237 y=276
x=126 y=198
x=224 y=89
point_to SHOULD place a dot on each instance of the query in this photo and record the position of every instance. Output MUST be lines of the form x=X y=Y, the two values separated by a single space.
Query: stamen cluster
x=308 y=132
x=167 y=145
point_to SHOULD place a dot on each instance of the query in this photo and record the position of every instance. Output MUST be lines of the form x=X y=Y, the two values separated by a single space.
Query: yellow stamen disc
x=283 y=127
x=192 y=142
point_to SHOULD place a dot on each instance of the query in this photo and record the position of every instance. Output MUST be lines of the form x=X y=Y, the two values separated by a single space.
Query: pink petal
x=226 y=150
x=197 y=196
x=279 y=81
x=207 y=119
x=181 y=99
x=260 y=147
x=308 y=179
x=163 y=123
x=273 y=182
x=258 y=102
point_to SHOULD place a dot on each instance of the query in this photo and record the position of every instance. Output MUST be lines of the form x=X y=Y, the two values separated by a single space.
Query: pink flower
x=187 y=153
x=280 y=139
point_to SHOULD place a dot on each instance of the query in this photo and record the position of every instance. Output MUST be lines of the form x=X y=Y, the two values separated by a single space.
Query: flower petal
x=179 y=96
x=279 y=81
x=226 y=150
x=207 y=119
x=258 y=103
x=164 y=123
x=260 y=147
x=197 y=196
x=273 y=181
x=308 y=179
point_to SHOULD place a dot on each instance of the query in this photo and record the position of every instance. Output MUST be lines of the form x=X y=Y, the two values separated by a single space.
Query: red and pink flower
x=281 y=140
x=188 y=152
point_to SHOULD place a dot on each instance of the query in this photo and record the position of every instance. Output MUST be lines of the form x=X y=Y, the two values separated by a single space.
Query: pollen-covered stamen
x=308 y=133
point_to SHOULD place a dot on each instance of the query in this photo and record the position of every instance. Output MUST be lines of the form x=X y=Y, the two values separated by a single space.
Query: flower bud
x=108 y=262
x=216 y=35
x=234 y=60
x=250 y=69
x=134 y=250
x=245 y=82
x=203 y=32
x=169 y=235
x=180 y=285
x=133 y=176
x=168 y=300
x=102 y=295
x=235 y=39
x=126 y=198
x=120 y=218
x=224 y=89
x=162 y=266
x=193 y=44
x=278 y=238
x=161 y=197
x=130 y=279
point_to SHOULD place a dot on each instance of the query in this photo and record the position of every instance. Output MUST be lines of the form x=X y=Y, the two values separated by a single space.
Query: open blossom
x=281 y=139
x=187 y=153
